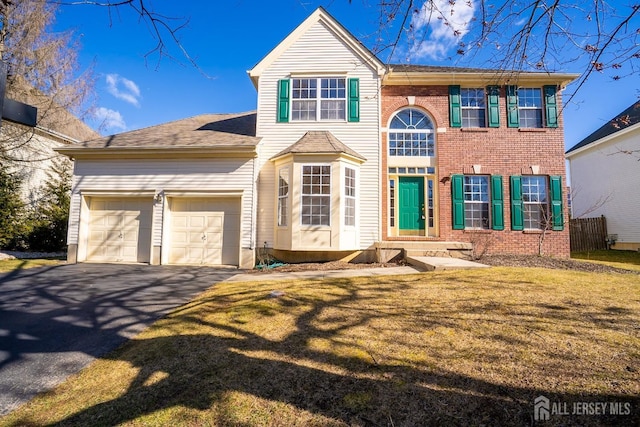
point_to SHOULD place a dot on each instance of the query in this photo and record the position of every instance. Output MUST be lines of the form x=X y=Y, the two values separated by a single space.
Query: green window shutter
x=513 y=117
x=283 y=101
x=457 y=198
x=455 y=107
x=354 y=100
x=551 y=106
x=555 y=190
x=497 y=203
x=493 y=104
x=517 y=216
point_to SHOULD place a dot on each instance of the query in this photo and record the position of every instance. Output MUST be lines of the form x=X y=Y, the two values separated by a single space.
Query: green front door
x=411 y=192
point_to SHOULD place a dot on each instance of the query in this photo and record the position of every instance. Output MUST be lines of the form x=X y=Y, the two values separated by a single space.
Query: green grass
x=622 y=259
x=444 y=348
x=21 y=264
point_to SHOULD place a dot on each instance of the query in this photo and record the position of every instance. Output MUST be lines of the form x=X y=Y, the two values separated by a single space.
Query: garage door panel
x=196 y=221
x=207 y=225
x=195 y=237
x=119 y=230
x=215 y=221
x=214 y=239
x=180 y=221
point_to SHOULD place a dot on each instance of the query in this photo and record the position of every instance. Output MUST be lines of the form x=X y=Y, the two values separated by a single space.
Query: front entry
x=411 y=203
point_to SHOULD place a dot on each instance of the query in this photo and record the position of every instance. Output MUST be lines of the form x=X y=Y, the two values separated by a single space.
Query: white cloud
x=439 y=26
x=124 y=89
x=109 y=119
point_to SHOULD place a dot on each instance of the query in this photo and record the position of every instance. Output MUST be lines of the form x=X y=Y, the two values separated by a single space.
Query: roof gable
x=322 y=16
x=629 y=117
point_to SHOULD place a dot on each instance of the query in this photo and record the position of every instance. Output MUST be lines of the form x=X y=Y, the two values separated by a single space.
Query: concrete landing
x=430 y=263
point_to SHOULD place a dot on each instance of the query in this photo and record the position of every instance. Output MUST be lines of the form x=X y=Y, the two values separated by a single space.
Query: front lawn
x=21 y=264
x=621 y=259
x=445 y=348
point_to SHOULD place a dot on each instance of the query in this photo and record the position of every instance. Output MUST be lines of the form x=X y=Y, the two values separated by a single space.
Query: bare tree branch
x=162 y=28
x=549 y=35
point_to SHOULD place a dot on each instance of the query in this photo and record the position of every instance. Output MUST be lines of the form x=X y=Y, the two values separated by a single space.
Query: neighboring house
x=605 y=172
x=345 y=157
x=28 y=151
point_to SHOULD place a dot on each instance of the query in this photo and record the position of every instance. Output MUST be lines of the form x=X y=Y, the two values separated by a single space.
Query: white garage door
x=205 y=231
x=119 y=230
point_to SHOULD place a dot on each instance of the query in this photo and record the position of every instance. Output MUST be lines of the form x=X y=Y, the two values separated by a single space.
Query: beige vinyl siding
x=320 y=53
x=74 y=211
x=185 y=176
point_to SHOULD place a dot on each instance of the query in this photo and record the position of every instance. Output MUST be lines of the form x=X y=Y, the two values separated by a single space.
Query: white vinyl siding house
x=321 y=48
x=604 y=176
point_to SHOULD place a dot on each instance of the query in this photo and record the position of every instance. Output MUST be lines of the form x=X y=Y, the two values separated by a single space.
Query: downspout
x=254 y=201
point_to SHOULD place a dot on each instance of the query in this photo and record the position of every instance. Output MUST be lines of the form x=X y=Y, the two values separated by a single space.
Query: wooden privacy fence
x=588 y=234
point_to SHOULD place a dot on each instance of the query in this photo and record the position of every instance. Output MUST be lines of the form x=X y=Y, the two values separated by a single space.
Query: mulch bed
x=493 y=260
x=550 y=262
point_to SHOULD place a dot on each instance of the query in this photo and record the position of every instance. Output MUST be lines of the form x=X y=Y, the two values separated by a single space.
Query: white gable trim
x=598 y=142
x=319 y=15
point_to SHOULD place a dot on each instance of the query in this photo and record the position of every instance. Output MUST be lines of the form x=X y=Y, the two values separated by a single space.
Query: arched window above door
x=411 y=133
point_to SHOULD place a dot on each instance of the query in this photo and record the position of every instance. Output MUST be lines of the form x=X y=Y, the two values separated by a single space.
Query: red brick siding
x=500 y=151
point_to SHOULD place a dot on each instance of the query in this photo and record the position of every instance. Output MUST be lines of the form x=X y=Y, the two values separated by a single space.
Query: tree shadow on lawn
x=54 y=320
x=197 y=371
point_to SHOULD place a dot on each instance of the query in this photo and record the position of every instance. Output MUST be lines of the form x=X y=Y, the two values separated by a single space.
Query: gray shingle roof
x=207 y=130
x=628 y=117
x=319 y=142
x=410 y=68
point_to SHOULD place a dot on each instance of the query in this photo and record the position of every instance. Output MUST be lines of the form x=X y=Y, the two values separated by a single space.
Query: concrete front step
x=429 y=263
x=427 y=253
x=424 y=245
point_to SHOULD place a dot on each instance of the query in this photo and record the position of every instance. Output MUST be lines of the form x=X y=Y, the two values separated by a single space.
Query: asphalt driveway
x=56 y=320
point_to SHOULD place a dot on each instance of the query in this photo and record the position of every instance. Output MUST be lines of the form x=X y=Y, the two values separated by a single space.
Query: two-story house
x=344 y=157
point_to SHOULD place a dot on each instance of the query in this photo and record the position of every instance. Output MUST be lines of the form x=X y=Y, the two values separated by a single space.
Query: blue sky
x=228 y=38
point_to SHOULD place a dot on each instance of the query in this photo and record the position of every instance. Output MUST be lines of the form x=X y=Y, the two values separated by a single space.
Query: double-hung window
x=316 y=195
x=283 y=196
x=530 y=107
x=318 y=99
x=476 y=201
x=473 y=106
x=535 y=202
x=349 y=197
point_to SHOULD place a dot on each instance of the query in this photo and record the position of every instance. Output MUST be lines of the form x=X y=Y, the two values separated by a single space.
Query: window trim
x=485 y=205
x=430 y=133
x=321 y=195
x=283 y=199
x=539 y=108
x=392 y=202
x=466 y=108
x=350 y=220
x=318 y=99
x=525 y=204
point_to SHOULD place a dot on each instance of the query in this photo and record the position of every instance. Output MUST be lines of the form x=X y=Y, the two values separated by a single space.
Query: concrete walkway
x=430 y=263
x=357 y=272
